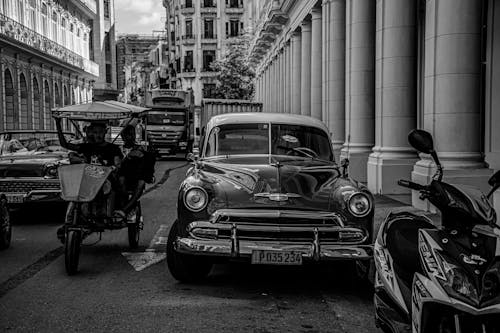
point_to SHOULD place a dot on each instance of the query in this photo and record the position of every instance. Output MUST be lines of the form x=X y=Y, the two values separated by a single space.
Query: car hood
x=28 y=165
x=285 y=184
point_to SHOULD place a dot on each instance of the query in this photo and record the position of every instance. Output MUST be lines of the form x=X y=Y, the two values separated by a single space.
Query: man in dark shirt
x=95 y=150
x=132 y=175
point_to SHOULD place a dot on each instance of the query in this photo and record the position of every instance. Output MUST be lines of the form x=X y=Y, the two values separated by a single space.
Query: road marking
x=155 y=253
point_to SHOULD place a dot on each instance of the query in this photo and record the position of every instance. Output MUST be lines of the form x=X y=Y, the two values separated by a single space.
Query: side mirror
x=495 y=179
x=421 y=141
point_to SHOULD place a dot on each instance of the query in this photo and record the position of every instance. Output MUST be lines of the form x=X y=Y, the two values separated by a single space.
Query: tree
x=235 y=75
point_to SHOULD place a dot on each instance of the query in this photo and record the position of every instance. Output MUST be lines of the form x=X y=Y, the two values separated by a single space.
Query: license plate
x=268 y=257
x=15 y=198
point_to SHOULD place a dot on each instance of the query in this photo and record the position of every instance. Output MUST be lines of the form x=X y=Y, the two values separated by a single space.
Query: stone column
x=296 y=71
x=452 y=95
x=325 y=20
x=360 y=85
x=288 y=82
x=395 y=96
x=336 y=75
x=281 y=82
x=316 y=60
x=305 y=88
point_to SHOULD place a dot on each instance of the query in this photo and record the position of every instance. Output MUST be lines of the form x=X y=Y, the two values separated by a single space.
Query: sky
x=139 y=16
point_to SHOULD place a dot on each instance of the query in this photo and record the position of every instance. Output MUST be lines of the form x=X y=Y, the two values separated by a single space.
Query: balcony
x=235 y=10
x=14 y=31
x=187 y=73
x=209 y=39
x=187 y=10
x=208 y=8
x=188 y=39
x=207 y=71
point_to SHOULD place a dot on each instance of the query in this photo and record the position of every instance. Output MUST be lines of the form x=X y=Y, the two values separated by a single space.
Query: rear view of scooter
x=440 y=279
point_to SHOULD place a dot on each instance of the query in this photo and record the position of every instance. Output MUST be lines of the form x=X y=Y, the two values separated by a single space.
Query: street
x=110 y=295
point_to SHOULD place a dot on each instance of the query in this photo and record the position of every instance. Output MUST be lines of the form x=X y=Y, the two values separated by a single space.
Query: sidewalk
x=385 y=204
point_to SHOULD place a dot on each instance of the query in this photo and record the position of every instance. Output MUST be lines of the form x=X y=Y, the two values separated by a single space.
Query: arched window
x=78 y=41
x=37 y=106
x=10 y=113
x=46 y=105
x=31 y=15
x=24 y=122
x=66 y=102
x=71 y=36
x=20 y=11
x=54 y=27
x=57 y=100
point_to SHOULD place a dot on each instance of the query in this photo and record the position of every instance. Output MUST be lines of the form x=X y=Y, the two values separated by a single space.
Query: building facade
x=197 y=32
x=46 y=59
x=374 y=70
x=132 y=48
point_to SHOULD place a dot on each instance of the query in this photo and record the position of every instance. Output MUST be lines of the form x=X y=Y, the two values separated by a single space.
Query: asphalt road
x=110 y=295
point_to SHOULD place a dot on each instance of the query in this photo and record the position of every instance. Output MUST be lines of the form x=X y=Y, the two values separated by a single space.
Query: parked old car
x=28 y=166
x=266 y=189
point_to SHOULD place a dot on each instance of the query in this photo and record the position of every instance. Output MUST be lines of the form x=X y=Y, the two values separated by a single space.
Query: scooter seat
x=402 y=243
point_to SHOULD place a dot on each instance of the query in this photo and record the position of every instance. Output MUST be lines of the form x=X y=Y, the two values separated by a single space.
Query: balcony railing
x=187 y=10
x=208 y=38
x=208 y=4
x=189 y=70
x=16 y=31
x=188 y=39
x=90 y=4
x=238 y=9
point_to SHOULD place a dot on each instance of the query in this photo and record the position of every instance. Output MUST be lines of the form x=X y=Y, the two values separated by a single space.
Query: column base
x=386 y=166
x=358 y=160
x=425 y=169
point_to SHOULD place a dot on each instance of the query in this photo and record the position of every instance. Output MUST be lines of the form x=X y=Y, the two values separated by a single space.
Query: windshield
x=31 y=143
x=166 y=118
x=253 y=139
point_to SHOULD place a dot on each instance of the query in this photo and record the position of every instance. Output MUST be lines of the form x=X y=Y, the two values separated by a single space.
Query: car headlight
x=457 y=282
x=51 y=172
x=195 y=199
x=359 y=204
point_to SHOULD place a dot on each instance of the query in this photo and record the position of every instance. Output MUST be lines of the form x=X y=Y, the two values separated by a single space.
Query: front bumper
x=35 y=189
x=237 y=243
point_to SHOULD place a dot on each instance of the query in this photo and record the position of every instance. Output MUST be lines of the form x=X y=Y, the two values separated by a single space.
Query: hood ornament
x=277 y=196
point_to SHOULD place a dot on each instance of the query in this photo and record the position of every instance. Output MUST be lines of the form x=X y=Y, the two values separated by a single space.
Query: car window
x=300 y=141
x=238 y=139
x=31 y=143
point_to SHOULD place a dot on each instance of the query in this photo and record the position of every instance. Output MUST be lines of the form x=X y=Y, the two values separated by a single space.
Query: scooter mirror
x=421 y=141
x=495 y=179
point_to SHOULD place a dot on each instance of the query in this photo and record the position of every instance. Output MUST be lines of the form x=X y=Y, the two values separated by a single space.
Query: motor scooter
x=443 y=279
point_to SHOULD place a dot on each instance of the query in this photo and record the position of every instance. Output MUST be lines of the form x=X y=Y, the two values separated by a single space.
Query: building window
x=234 y=3
x=208 y=59
x=232 y=28
x=208 y=3
x=78 y=41
x=188 y=62
x=189 y=29
x=24 y=122
x=37 y=106
x=31 y=18
x=45 y=27
x=106 y=9
x=108 y=74
x=20 y=11
x=54 y=27
x=209 y=29
x=63 y=32
x=209 y=90
x=10 y=113
x=189 y=3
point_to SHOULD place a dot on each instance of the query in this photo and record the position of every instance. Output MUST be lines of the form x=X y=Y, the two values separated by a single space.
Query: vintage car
x=266 y=189
x=28 y=165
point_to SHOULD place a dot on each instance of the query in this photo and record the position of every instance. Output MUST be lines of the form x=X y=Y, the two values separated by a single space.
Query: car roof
x=32 y=132
x=265 y=117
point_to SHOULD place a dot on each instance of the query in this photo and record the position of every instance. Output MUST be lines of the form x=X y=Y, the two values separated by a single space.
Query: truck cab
x=170 y=121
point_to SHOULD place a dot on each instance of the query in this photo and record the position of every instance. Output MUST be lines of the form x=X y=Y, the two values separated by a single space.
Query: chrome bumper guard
x=235 y=247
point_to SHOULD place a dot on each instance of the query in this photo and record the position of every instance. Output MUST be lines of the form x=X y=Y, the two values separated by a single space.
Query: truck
x=211 y=107
x=170 y=123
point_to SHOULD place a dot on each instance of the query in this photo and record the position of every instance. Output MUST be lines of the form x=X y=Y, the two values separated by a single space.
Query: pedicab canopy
x=98 y=111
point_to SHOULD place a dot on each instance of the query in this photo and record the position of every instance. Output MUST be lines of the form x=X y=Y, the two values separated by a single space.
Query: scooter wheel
x=72 y=251
x=134 y=229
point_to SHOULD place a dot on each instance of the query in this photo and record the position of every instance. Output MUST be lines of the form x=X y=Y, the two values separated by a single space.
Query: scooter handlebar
x=411 y=185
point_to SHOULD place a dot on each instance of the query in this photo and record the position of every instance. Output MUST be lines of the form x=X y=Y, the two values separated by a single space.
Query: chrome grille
x=26 y=186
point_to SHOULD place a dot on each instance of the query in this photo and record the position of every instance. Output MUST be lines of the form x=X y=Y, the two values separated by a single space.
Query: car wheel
x=5 y=225
x=183 y=267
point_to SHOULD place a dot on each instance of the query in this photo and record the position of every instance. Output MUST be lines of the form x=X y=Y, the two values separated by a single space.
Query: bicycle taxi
x=89 y=188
